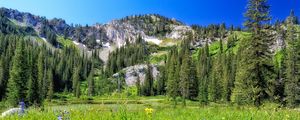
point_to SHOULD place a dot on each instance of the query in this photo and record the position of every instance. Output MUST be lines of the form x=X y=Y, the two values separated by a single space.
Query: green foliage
x=138 y=86
x=161 y=82
x=91 y=84
x=51 y=38
x=76 y=82
x=91 y=41
x=64 y=42
x=148 y=86
x=236 y=66
x=217 y=80
x=255 y=69
x=33 y=85
x=292 y=19
x=214 y=48
x=126 y=56
x=292 y=67
x=26 y=77
x=18 y=76
x=51 y=84
x=8 y=27
x=203 y=72
x=173 y=76
x=120 y=109
x=157 y=57
x=152 y=24
x=229 y=75
x=184 y=77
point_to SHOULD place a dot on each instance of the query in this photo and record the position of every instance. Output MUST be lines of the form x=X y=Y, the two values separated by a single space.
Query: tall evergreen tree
x=292 y=82
x=148 y=87
x=292 y=19
x=50 y=80
x=229 y=75
x=51 y=38
x=18 y=76
x=161 y=83
x=203 y=72
x=184 y=77
x=91 y=83
x=138 y=85
x=217 y=80
x=78 y=90
x=44 y=82
x=76 y=81
x=173 y=81
x=194 y=83
x=40 y=73
x=33 y=86
x=91 y=41
x=2 y=86
x=255 y=70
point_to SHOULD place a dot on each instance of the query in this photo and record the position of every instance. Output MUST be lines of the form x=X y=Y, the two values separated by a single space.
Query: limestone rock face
x=132 y=73
x=179 y=31
x=118 y=32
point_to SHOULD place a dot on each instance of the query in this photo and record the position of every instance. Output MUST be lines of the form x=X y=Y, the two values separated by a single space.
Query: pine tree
x=51 y=38
x=44 y=83
x=78 y=91
x=217 y=79
x=172 y=83
x=255 y=67
x=194 y=83
x=91 y=84
x=203 y=72
x=5 y=70
x=91 y=41
x=292 y=82
x=148 y=83
x=138 y=85
x=161 y=82
x=229 y=74
x=66 y=33
x=2 y=86
x=50 y=91
x=279 y=66
x=292 y=19
x=33 y=88
x=184 y=77
x=75 y=81
x=18 y=76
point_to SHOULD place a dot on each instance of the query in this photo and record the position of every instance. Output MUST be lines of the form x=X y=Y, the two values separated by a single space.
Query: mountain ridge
x=116 y=31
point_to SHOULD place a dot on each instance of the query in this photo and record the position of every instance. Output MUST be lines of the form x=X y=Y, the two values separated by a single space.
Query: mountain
x=148 y=55
x=152 y=27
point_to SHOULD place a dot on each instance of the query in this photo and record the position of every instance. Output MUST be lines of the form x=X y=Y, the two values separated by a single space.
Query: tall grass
x=160 y=111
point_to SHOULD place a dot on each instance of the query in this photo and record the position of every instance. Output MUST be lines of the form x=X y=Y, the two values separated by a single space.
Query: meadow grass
x=156 y=109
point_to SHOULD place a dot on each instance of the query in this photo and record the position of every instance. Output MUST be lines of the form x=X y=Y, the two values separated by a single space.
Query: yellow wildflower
x=148 y=111
x=287 y=116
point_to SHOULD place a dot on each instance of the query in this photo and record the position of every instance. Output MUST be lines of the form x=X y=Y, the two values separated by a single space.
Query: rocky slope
x=114 y=32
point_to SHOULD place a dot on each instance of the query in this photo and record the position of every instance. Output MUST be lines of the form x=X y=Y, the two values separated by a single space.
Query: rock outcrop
x=132 y=73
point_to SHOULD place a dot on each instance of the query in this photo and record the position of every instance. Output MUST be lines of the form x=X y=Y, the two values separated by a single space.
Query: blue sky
x=202 y=12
